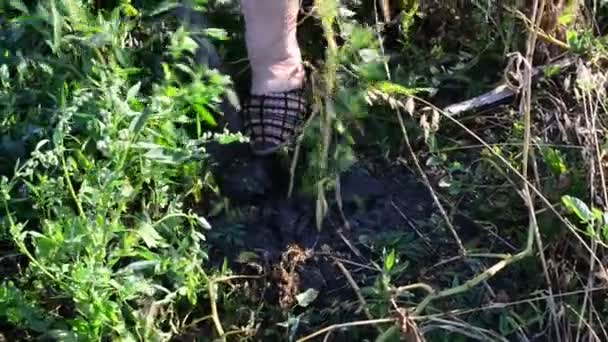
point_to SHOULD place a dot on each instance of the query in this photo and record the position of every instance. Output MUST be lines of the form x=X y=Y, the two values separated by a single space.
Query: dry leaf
x=424 y=124
x=435 y=121
x=410 y=105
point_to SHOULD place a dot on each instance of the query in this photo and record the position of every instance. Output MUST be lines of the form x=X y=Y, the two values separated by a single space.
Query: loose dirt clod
x=288 y=277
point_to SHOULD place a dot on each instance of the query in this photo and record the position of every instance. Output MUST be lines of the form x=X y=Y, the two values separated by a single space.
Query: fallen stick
x=346 y=325
x=355 y=287
x=503 y=92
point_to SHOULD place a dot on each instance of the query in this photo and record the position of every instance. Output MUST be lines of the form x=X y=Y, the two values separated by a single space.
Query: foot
x=274 y=121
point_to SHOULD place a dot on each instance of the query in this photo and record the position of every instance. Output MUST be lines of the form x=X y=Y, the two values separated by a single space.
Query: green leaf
x=369 y=55
x=56 y=23
x=164 y=7
x=328 y=10
x=150 y=236
x=396 y=89
x=370 y=72
x=129 y=11
x=204 y=114
x=216 y=33
x=569 y=13
x=232 y=97
x=189 y=44
x=158 y=155
x=555 y=160
x=578 y=207
x=203 y=222
x=133 y=91
x=604 y=228
x=305 y=298
x=227 y=138
x=389 y=262
x=597 y=214
x=139 y=121
x=139 y=266
x=551 y=71
x=503 y=325
x=18 y=308
x=19 y=5
x=62 y=335
x=361 y=37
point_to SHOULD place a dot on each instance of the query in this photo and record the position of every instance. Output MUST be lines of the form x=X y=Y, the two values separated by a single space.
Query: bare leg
x=274 y=112
x=272 y=45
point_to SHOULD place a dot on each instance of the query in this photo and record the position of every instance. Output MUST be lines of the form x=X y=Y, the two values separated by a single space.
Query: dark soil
x=384 y=207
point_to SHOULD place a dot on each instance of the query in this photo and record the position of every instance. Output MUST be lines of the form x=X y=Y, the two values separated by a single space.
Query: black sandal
x=274 y=120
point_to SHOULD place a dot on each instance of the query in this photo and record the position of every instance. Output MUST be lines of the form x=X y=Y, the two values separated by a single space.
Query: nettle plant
x=104 y=168
x=355 y=79
x=354 y=61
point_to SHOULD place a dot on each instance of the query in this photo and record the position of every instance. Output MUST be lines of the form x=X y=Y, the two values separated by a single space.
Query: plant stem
x=214 y=313
x=23 y=247
x=356 y=289
x=327 y=13
x=471 y=283
x=70 y=185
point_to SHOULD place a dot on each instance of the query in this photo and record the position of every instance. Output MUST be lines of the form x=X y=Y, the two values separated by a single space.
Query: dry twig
x=346 y=325
x=356 y=289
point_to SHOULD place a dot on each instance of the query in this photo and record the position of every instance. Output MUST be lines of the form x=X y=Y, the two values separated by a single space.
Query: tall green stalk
x=328 y=12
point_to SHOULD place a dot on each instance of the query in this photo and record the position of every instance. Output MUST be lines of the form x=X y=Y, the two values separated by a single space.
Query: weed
x=106 y=111
x=110 y=242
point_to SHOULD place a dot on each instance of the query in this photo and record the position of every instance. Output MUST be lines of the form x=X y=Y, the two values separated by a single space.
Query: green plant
x=105 y=114
x=108 y=174
x=595 y=221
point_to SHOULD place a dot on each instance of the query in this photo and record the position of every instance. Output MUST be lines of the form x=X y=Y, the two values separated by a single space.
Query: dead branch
x=355 y=287
x=411 y=224
x=503 y=93
x=346 y=325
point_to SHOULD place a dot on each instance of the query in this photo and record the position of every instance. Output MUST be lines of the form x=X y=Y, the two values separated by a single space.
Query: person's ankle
x=278 y=78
